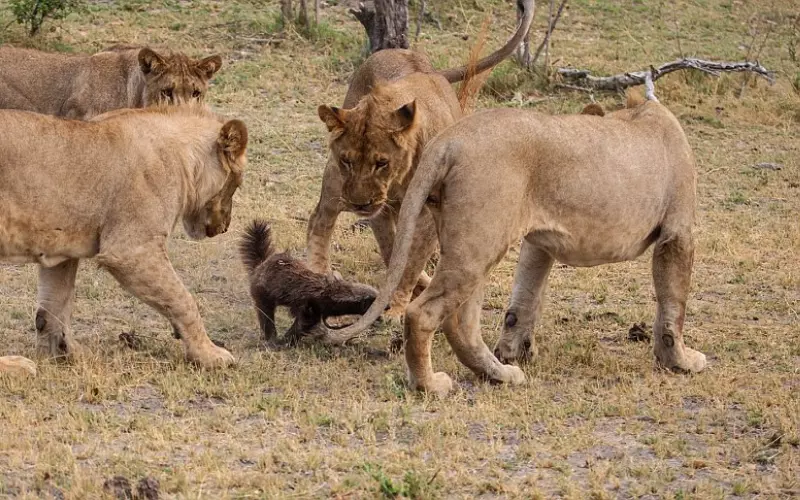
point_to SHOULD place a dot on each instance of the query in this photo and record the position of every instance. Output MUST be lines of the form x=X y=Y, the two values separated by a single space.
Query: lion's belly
x=590 y=241
x=26 y=240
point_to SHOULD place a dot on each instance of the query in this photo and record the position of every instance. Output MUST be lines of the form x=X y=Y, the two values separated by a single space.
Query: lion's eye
x=166 y=93
x=380 y=164
x=196 y=94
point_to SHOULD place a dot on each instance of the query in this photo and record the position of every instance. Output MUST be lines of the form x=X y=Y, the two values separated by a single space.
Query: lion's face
x=176 y=78
x=372 y=148
x=213 y=217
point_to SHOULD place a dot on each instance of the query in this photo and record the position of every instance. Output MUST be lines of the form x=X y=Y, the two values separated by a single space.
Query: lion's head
x=214 y=216
x=373 y=145
x=174 y=78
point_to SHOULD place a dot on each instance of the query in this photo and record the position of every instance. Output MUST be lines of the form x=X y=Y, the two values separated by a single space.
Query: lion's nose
x=363 y=206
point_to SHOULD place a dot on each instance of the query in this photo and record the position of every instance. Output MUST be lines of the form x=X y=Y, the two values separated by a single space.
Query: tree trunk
x=386 y=23
x=287 y=12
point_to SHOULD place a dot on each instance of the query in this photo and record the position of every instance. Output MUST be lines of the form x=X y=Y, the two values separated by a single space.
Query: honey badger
x=278 y=279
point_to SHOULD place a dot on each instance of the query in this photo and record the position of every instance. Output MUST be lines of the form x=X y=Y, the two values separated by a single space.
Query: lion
x=395 y=104
x=83 y=86
x=581 y=189
x=278 y=279
x=112 y=190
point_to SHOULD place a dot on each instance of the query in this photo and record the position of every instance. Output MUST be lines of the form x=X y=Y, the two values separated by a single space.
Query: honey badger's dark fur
x=278 y=279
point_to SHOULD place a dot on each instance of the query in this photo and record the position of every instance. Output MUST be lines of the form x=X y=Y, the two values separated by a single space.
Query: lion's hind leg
x=672 y=269
x=56 y=291
x=454 y=296
x=147 y=273
x=17 y=365
x=516 y=343
x=463 y=332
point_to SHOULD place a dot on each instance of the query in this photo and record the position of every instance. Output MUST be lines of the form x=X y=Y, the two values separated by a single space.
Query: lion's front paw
x=17 y=365
x=394 y=315
x=513 y=375
x=439 y=383
x=211 y=356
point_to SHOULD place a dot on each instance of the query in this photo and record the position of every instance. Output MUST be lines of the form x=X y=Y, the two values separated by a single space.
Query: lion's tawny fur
x=583 y=190
x=112 y=190
x=17 y=365
x=278 y=279
x=83 y=86
x=395 y=104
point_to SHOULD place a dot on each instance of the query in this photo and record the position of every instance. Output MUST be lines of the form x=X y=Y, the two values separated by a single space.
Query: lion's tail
x=473 y=81
x=432 y=169
x=256 y=244
x=527 y=8
x=633 y=99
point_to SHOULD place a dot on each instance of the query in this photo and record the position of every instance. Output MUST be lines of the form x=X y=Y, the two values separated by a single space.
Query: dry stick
x=680 y=48
x=550 y=30
x=749 y=51
x=420 y=16
x=758 y=54
x=547 y=40
x=649 y=87
x=584 y=78
x=523 y=51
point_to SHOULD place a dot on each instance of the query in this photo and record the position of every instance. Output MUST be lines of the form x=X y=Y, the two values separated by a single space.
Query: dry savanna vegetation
x=595 y=419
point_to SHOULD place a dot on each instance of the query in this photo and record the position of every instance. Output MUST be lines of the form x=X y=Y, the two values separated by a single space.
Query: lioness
x=83 y=86
x=398 y=104
x=113 y=189
x=581 y=189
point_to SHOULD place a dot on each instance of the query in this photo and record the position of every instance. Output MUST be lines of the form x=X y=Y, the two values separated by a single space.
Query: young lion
x=582 y=189
x=396 y=103
x=113 y=189
x=83 y=86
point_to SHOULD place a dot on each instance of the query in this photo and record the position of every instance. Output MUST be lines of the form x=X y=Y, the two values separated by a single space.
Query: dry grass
x=595 y=419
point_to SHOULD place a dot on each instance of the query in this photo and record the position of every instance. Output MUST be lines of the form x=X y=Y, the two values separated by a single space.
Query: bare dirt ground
x=595 y=419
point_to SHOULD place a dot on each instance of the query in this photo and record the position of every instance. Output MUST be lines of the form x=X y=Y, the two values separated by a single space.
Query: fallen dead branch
x=584 y=78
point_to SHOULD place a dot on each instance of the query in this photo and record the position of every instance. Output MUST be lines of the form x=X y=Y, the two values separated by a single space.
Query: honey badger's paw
x=210 y=356
x=17 y=365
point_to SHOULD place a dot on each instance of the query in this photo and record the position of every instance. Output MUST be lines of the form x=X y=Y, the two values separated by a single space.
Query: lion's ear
x=404 y=115
x=150 y=61
x=210 y=65
x=233 y=138
x=333 y=117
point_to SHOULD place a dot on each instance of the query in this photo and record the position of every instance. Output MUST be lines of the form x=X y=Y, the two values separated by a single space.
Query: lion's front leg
x=323 y=221
x=56 y=291
x=147 y=273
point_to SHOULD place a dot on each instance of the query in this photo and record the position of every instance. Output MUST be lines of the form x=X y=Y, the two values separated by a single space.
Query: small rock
x=768 y=166
x=120 y=487
x=147 y=489
x=131 y=341
x=638 y=333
